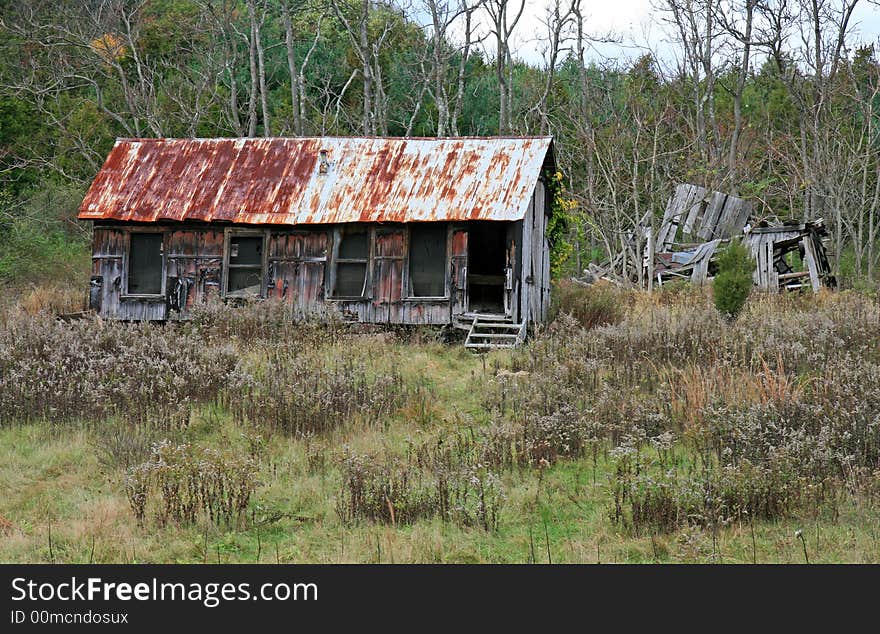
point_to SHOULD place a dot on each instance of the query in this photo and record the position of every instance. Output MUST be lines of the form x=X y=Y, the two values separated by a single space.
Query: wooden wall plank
x=811 y=261
x=707 y=230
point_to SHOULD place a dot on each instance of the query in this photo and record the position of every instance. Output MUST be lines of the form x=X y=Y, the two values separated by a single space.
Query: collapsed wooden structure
x=774 y=247
x=697 y=225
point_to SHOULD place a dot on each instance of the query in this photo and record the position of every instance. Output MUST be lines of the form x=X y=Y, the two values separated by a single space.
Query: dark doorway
x=487 y=242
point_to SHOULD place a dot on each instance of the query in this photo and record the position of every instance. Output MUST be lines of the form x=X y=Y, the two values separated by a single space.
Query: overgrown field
x=634 y=428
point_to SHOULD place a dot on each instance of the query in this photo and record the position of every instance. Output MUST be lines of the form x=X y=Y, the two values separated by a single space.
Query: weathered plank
x=683 y=209
x=810 y=260
x=694 y=216
x=733 y=217
x=707 y=229
x=700 y=261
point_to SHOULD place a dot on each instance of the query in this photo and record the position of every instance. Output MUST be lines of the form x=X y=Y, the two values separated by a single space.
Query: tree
x=732 y=285
x=505 y=15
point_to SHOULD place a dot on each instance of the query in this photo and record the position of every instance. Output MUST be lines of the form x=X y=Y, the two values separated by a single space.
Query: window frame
x=228 y=236
x=126 y=265
x=447 y=291
x=338 y=236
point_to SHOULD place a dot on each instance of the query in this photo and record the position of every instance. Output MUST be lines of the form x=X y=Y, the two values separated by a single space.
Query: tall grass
x=778 y=411
x=682 y=419
x=300 y=394
x=93 y=371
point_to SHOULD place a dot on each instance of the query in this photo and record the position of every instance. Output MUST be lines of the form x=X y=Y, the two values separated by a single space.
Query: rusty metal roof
x=280 y=181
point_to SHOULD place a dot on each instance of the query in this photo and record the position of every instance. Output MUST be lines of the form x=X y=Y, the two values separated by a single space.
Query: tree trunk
x=252 y=55
x=295 y=81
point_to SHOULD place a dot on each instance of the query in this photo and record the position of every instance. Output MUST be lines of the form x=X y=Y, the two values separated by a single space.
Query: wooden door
x=296 y=269
x=458 y=261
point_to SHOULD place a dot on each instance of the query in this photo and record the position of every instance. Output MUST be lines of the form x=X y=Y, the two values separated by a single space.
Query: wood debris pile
x=697 y=225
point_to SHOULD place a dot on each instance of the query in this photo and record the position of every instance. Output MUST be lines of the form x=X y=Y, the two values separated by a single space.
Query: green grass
x=52 y=481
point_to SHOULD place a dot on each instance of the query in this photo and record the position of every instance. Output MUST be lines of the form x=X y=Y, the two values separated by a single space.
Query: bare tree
x=92 y=46
x=222 y=14
x=297 y=72
x=694 y=22
x=502 y=27
x=448 y=99
x=256 y=35
x=738 y=21
x=252 y=40
x=356 y=25
x=560 y=17
x=469 y=39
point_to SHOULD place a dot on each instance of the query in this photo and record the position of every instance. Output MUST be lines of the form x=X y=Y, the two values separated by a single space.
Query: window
x=351 y=263
x=427 y=260
x=245 y=265
x=145 y=264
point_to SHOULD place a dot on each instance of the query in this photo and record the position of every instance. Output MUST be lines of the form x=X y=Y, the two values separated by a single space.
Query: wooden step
x=493 y=334
x=508 y=326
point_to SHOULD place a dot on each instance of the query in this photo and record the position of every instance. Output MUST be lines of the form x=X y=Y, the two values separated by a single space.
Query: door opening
x=487 y=261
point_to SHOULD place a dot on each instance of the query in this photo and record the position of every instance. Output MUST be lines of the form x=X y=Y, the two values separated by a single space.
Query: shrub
x=268 y=320
x=646 y=499
x=185 y=483
x=41 y=240
x=392 y=490
x=733 y=283
x=591 y=306
x=538 y=440
x=91 y=370
x=53 y=300
x=303 y=395
x=118 y=444
x=385 y=491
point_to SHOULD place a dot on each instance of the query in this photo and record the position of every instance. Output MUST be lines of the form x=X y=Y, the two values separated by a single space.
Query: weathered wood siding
x=535 y=277
x=696 y=214
x=193 y=262
x=299 y=270
x=296 y=267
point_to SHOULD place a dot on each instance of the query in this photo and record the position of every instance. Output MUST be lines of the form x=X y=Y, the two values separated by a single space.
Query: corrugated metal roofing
x=279 y=180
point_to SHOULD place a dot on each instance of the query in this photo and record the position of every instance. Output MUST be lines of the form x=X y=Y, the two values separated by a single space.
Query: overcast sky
x=637 y=26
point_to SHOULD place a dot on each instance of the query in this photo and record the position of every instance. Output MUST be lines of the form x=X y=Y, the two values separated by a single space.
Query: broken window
x=245 y=265
x=351 y=263
x=145 y=264
x=427 y=260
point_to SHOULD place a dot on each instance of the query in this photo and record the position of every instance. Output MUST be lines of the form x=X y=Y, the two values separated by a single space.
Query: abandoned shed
x=409 y=231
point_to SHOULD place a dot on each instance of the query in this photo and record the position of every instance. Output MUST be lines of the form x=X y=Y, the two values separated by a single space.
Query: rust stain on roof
x=278 y=180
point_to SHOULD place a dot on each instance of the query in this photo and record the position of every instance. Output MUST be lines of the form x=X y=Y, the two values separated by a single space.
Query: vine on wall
x=560 y=222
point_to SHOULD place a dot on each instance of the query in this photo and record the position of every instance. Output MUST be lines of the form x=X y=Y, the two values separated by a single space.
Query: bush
x=41 y=241
x=303 y=395
x=185 y=483
x=733 y=283
x=437 y=483
x=53 y=299
x=124 y=445
x=591 y=306
x=666 y=501
x=263 y=321
x=541 y=440
x=91 y=370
